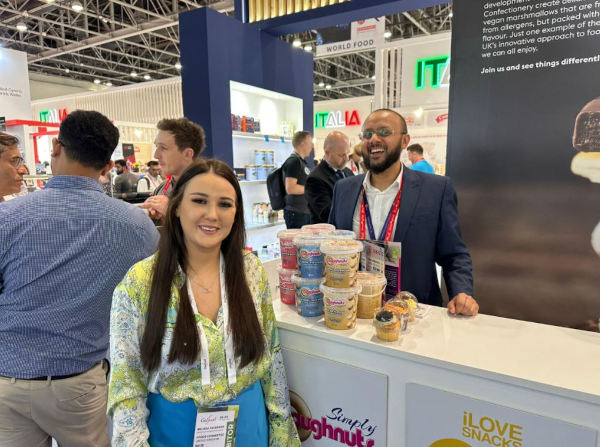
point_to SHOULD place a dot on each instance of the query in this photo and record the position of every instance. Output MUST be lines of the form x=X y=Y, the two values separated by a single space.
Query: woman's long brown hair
x=248 y=338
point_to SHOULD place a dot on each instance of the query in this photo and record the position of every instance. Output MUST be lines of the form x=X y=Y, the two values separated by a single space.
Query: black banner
x=524 y=153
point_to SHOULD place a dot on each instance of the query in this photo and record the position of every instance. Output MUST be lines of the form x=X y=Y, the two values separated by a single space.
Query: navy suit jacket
x=318 y=191
x=428 y=229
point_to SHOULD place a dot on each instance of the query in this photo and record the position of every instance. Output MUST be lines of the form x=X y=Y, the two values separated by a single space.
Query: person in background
x=419 y=210
x=295 y=172
x=62 y=252
x=320 y=182
x=106 y=183
x=415 y=155
x=355 y=163
x=12 y=166
x=193 y=326
x=125 y=182
x=152 y=179
x=178 y=143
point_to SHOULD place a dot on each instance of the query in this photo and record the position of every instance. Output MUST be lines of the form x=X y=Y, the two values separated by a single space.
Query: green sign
x=435 y=66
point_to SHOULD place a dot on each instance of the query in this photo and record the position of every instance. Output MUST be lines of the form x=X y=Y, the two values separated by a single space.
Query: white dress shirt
x=380 y=203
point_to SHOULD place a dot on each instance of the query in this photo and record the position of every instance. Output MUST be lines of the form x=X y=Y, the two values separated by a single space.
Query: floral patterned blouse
x=130 y=382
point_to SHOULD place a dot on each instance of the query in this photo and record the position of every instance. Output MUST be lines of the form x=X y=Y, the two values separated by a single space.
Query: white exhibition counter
x=449 y=381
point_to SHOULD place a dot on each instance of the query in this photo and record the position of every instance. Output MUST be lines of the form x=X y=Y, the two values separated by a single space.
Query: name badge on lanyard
x=366 y=221
x=215 y=427
x=227 y=338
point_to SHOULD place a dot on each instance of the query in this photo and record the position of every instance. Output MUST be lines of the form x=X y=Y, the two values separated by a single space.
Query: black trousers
x=294 y=219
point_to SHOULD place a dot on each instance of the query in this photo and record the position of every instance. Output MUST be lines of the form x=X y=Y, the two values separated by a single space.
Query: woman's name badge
x=215 y=427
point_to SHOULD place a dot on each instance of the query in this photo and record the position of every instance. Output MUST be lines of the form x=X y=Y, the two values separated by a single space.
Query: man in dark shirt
x=319 y=185
x=126 y=182
x=295 y=172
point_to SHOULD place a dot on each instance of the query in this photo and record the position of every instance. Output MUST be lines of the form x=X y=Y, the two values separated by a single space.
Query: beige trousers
x=72 y=411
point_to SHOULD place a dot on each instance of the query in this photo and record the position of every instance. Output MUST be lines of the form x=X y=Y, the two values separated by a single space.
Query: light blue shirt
x=63 y=250
x=423 y=166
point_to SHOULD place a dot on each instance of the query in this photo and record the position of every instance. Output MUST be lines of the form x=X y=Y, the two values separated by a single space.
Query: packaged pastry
x=289 y=251
x=387 y=325
x=339 y=306
x=309 y=298
x=372 y=290
x=412 y=303
x=586 y=134
x=287 y=288
x=400 y=308
x=310 y=257
x=341 y=260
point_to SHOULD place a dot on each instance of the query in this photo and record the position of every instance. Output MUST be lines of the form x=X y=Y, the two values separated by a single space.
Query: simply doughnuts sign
x=328 y=407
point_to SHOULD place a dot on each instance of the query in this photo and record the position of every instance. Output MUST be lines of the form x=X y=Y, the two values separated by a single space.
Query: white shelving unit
x=271 y=108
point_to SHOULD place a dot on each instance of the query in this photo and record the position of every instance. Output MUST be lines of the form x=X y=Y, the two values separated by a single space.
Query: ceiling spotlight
x=133 y=74
x=76 y=6
x=328 y=86
x=178 y=66
x=419 y=112
x=296 y=43
x=104 y=19
x=67 y=70
x=387 y=34
x=451 y=15
x=373 y=77
x=308 y=48
x=108 y=84
x=21 y=26
x=50 y=1
x=147 y=77
x=96 y=81
x=321 y=84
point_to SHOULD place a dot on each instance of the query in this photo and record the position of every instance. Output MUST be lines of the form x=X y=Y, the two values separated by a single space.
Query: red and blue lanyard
x=366 y=221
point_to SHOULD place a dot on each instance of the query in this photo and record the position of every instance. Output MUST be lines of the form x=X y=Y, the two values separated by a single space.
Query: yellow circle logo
x=449 y=443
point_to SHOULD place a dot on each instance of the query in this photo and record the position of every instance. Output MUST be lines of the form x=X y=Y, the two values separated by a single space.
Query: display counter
x=444 y=375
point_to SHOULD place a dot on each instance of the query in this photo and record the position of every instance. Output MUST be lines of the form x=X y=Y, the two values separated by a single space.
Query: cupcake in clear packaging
x=412 y=303
x=400 y=309
x=387 y=325
x=372 y=288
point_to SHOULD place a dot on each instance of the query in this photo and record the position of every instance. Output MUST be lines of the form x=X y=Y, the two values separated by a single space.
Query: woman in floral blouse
x=192 y=327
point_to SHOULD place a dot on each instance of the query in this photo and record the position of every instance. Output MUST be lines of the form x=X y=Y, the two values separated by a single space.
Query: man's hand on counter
x=463 y=304
x=156 y=206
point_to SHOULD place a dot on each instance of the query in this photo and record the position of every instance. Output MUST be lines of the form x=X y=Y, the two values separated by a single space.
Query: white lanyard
x=227 y=339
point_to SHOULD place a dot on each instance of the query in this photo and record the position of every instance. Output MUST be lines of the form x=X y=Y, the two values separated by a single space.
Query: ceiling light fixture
x=321 y=84
x=108 y=84
x=21 y=26
x=451 y=15
x=373 y=77
x=178 y=66
x=67 y=70
x=147 y=77
x=387 y=34
x=76 y=6
x=97 y=81
x=296 y=43
x=133 y=74
x=308 y=48
x=328 y=86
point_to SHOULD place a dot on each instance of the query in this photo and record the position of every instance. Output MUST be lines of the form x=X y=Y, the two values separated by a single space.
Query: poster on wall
x=351 y=37
x=524 y=153
x=436 y=418
x=14 y=85
x=334 y=404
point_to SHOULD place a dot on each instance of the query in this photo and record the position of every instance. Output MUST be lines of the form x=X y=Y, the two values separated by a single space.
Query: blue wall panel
x=216 y=49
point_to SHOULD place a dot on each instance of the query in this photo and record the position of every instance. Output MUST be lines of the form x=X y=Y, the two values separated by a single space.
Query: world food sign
x=337 y=118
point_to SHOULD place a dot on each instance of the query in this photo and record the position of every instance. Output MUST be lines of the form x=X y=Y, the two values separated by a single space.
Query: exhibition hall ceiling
x=117 y=42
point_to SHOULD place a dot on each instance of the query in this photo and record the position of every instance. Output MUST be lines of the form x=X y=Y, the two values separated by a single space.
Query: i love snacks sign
x=436 y=418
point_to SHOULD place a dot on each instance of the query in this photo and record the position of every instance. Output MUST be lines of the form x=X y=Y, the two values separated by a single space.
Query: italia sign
x=337 y=118
x=438 y=69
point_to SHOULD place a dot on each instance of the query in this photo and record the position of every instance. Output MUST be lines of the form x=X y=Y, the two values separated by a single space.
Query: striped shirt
x=62 y=252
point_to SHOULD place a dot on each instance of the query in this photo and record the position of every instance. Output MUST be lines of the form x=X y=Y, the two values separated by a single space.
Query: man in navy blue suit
x=419 y=210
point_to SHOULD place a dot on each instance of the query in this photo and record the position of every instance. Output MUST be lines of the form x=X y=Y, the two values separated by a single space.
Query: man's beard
x=391 y=157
